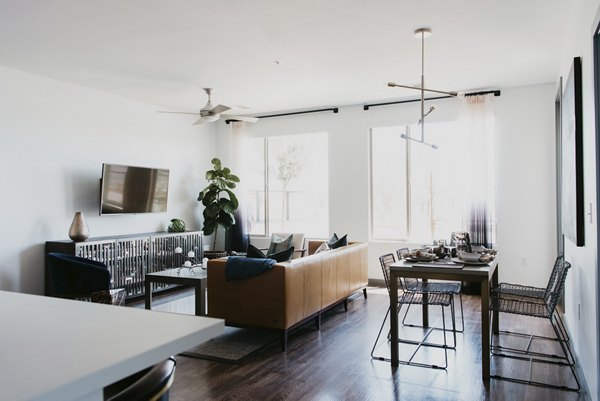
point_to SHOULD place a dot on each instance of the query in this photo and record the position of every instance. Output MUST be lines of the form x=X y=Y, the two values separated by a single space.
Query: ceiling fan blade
x=247 y=119
x=176 y=112
x=219 y=109
x=200 y=121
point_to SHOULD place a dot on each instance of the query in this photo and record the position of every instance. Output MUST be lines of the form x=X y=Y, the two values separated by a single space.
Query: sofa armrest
x=255 y=301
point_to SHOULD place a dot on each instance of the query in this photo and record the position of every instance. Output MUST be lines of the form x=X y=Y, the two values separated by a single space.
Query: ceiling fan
x=210 y=113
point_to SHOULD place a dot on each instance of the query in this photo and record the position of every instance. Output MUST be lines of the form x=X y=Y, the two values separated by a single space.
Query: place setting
x=441 y=256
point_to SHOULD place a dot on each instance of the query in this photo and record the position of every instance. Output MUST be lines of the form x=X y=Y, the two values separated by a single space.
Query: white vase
x=79 y=230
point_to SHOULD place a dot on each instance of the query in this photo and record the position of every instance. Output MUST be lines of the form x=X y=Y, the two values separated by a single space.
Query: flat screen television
x=130 y=189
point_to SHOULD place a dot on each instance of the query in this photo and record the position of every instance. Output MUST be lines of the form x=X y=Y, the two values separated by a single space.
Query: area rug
x=234 y=346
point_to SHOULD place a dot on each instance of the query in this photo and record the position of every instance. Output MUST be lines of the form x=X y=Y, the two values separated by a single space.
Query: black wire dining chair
x=442 y=287
x=416 y=298
x=537 y=306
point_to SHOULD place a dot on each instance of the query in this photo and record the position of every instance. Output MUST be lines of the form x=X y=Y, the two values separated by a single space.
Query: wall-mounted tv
x=130 y=189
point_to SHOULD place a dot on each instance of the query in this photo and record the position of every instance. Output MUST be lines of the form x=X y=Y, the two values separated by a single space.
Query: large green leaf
x=227 y=205
x=230 y=184
x=226 y=220
x=210 y=197
x=216 y=163
x=211 y=175
x=212 y=210
x=233 y=177
x=232 y=198
x=226 y=171
x=209 y=227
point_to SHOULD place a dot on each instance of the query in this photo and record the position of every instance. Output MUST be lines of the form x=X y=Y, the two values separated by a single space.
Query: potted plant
x=219 y=203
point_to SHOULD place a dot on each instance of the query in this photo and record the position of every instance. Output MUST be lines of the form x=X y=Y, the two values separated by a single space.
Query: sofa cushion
x=279 y=243
x=254 y=252
x=336 y=242
x=283 y=256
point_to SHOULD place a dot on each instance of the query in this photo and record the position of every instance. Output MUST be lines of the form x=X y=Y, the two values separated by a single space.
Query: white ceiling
x=330 y=52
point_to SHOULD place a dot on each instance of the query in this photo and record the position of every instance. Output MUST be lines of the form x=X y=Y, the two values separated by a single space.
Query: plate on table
x=477 y=263
x=421 y=258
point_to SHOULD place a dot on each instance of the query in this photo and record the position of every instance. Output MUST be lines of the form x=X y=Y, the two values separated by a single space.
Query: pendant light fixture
x=422 y=33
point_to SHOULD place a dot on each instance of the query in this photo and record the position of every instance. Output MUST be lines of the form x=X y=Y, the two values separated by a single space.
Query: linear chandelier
x=422 y=33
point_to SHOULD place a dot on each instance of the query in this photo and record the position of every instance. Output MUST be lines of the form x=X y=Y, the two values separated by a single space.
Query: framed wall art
x=572 y=157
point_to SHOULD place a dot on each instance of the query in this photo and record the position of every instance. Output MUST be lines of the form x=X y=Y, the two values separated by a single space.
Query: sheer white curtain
x=477 y=118
x=238 y=236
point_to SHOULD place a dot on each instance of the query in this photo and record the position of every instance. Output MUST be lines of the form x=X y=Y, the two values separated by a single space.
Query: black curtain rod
x=292 y=113
x=367 y=106
x=495 y=92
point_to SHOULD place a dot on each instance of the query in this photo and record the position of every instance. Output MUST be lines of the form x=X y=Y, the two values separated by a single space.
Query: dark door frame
x=596 y=44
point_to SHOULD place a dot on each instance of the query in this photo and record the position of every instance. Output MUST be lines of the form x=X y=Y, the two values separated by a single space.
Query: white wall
x=526 y=184
x=55 y=137
x=582 y=283
x=525 y=156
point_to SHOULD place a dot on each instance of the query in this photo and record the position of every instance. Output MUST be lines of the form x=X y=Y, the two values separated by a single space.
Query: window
x=288 y=183
x=418 y=193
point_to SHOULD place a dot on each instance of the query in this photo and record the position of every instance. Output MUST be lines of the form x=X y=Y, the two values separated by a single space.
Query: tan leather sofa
x=291 y=293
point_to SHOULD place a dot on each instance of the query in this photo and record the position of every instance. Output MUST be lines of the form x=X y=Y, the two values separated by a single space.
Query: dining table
x=60 y=349
x=484 y=274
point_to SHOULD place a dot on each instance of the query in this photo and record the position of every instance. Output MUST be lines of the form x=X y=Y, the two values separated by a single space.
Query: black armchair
x=149 y=384
x=72 y=277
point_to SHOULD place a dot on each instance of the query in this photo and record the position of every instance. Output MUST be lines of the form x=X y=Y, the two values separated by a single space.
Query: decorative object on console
x=422 y=33
x=218 y=209
x=79 y=230
x=190 y=260
x=176 y=226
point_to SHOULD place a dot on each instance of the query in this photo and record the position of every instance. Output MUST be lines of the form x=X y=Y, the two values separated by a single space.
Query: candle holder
x=190 y=260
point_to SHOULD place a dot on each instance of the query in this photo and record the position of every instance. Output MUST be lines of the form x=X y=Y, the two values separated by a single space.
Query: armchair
x=73 y=277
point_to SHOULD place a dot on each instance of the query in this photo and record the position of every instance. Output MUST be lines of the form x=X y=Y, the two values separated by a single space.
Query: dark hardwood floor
x=335 y=364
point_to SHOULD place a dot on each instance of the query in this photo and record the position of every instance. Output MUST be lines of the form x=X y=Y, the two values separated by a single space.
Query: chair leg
x=560 y=336
x=535 y=357
x=378 y=335
x=462 y=313
x=462 y=317
x=365 y=292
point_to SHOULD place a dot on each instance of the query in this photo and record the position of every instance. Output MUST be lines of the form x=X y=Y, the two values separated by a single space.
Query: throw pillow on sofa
x=279 y=244
x=335 y=242
x=283 y=256
x=322 y=248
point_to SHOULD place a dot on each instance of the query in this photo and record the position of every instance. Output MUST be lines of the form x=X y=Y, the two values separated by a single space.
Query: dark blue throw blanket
x=239 y=267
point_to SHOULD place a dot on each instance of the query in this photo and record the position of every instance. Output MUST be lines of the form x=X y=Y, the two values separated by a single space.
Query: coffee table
x=182 y=276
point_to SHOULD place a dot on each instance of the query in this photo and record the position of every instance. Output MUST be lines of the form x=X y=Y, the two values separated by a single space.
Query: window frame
x=267 y=177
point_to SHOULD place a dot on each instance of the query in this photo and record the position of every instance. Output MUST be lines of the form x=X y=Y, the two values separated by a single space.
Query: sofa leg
x=284 y=336
x=318 y=321
x=365 y=292
x=346 y=304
